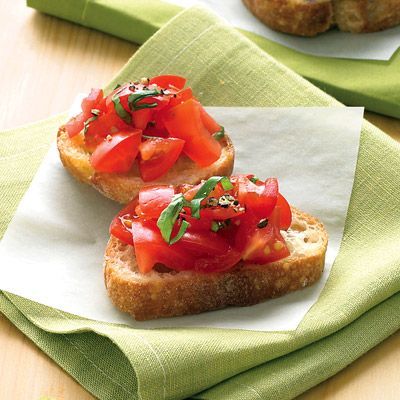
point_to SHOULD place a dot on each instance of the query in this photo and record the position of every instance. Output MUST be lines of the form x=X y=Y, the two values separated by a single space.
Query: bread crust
x=155 y=295
x=124 y=187
x=311 y=17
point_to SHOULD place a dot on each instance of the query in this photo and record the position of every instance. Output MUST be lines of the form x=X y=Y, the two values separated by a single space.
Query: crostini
x=186 y=249
x=152 y=131
x=311 y=17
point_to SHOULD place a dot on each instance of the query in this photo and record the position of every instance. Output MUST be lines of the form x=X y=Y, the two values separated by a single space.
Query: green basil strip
x=226 y=183
x=169 y=215
x=215 y=226
x=220 y=134
x=263 y=223
x=122 y=113
x=134 y=98
x=206 y=189
x=254 y=179
x=87 y=122
x=145 y=105
x=182 y=230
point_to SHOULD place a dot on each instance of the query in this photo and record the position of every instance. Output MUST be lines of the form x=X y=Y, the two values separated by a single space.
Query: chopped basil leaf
x=87 y=122
x=134 y=98
x=254 y=179
x=209 y=186
x=226 y=183
x=117 y=86
x=263 y=223
x=220 y=134
x=182 y=230
x=214 y=226
x=122 y=113
x=168 y=217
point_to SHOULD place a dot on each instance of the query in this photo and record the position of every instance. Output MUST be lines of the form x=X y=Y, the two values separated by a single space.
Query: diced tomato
x=155 y=127
x=260 y=199
x=257 y=244
x=109 y=102
x=101 y=105
x=150 y=248
x=75 y=125
x=181 y=97
x=102 y=126
x=141 y=118
x=154 y=199
x=184 y=122
x=158 y=155
x=201 y=224
x=91 y=102
x=217 y=263
x=203 y=243
x=161 y=100
x=117 y=154
x=217 y=192
x=210 y=251
x=285 y=213
x=121 y=225
x=220 y=213
x=123 y=92
x=208 y=121
x=165 y=81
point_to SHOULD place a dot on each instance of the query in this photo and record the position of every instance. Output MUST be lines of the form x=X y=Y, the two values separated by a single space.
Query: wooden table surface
x=44 y=63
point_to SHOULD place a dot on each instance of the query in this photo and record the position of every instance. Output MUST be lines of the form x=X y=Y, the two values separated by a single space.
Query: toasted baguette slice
x=311 y=17
x=360 y=16
x=124 y=187
x=298 y=17
x=168 y=294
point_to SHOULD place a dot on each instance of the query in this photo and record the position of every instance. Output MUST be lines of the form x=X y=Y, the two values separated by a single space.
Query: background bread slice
x=124 y=187
x=366 y=15
x=310 y=17
x=166 y=294
x=299 y=17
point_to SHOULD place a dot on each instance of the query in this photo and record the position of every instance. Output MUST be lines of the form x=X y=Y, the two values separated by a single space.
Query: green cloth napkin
x=357 y=309
x=372 y=84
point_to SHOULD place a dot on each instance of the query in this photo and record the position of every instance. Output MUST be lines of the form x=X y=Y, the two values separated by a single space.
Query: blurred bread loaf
x=311 y=17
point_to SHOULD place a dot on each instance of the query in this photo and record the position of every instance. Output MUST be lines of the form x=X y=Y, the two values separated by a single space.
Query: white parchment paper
x=337 y=44
x=53 y=250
